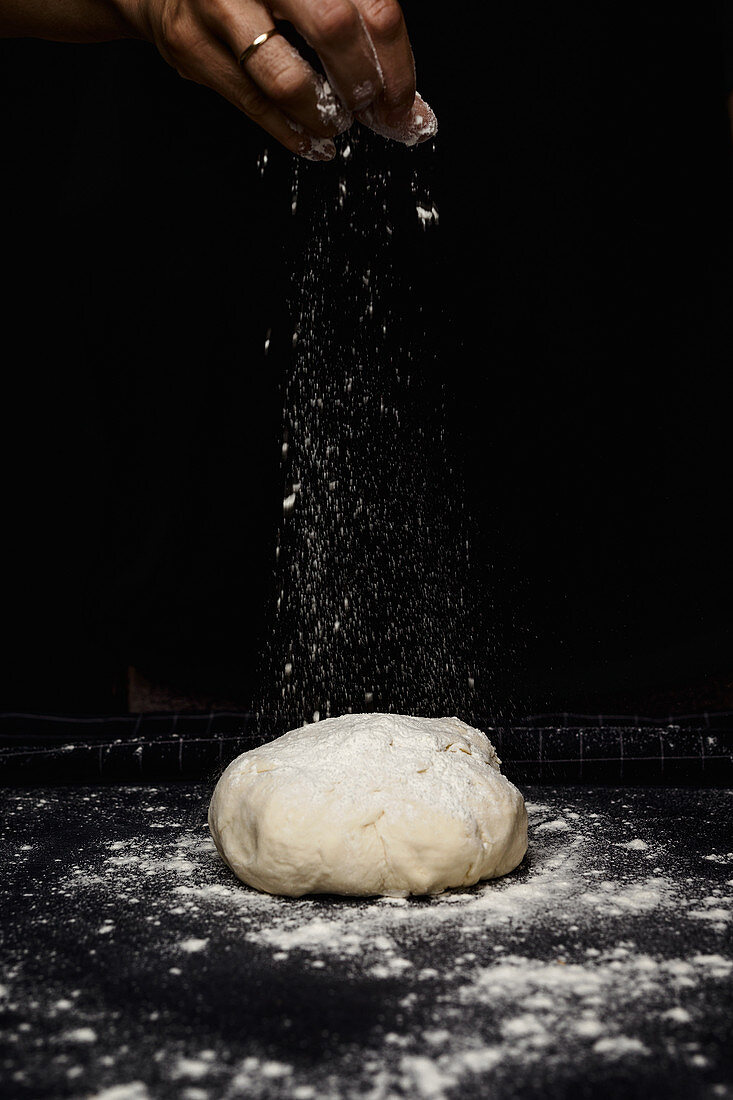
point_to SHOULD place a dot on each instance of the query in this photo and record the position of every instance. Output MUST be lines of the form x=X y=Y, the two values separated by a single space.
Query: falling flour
x=372 y=573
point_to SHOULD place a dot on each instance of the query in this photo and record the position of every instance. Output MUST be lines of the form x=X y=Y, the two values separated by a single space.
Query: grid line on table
x=615 y=759
x=569 y=719
x=46 y=750
x=563 y=719
x=586 y=754
x=141 y=745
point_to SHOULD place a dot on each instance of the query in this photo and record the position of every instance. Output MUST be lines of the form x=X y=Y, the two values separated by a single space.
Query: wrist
x=70 y=21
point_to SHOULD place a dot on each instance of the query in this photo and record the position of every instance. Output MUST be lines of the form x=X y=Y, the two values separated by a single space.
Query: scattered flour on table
x=542 y=1007
x=135 y=1090
x=499 y=1002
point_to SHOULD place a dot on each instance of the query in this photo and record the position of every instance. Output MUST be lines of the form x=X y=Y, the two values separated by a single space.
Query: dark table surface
x=134 y=965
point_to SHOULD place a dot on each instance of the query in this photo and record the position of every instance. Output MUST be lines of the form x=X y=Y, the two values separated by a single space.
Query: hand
x=362 y=45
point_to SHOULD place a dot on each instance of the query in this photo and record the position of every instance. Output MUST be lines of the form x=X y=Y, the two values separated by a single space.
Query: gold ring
x=259 y=41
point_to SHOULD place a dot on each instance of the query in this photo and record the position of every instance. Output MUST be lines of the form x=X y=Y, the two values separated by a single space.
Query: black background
x=578 y=292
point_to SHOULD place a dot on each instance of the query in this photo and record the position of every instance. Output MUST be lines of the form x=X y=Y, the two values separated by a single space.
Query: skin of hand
x=362 y=45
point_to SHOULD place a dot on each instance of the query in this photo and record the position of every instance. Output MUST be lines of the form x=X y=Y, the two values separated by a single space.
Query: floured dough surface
x=369 y=804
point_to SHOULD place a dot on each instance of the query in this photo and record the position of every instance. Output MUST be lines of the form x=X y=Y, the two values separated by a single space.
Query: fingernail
x=331 y=110
x=310 y=146
x=316 y=148
x=364 y=94
x=419 y=124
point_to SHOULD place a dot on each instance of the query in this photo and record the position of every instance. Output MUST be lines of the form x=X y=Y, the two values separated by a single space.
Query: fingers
x=366 y=52
x=337 y=32
x=207 y=61
x=293 y=86
x=279 y=71
x=363 y=47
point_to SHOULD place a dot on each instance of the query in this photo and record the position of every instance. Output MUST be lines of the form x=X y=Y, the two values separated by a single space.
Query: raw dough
x=369 y=804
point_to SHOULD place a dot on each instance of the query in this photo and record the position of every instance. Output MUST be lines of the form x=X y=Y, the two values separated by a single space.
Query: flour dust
x=372 y=567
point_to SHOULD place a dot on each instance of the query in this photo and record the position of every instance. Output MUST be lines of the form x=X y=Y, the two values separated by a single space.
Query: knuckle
x=335 y=20
x=175 y=30
x=251 y=102
x=286 y=84
x=384 y=18
x=217 y=11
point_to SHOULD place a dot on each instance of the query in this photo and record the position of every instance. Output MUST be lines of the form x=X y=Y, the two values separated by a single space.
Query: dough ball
x=369 y=804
